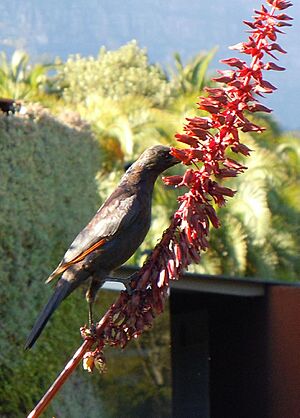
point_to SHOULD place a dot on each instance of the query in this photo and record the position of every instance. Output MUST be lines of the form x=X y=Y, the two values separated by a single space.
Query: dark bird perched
x=111 y=237
x=9 y=105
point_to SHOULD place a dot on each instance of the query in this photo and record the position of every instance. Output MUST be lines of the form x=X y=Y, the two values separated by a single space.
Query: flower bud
x=88 y=362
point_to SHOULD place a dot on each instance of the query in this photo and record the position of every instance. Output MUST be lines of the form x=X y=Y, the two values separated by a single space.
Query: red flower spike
x=172 y=180
x=230 y=163
x=252 y=127
x=209 y=105
x=267 y=85
x=279 y=4
x=276 y=47
x=196 y=154
x=208 y=141
x=258 y=107
x=251 y=24
x=241 y=46
x=283 y=17
x=241 y=148
x=211 y=213
x=187 y=139
x=234 y=62
x=182 y=155
x=282 y=24
x=203 y=123
x=188 y=178
x=273 y=66
x=226 y=172
x=202 y=134
x=214 y=92
x=225 y=74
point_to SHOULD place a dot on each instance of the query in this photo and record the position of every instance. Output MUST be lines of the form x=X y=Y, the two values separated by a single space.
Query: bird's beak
x=174 y=160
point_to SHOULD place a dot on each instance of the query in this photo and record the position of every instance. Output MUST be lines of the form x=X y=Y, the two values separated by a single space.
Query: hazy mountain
x=63 y=27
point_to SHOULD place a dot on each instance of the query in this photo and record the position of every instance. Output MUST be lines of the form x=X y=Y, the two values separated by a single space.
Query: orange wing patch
x=61 y=268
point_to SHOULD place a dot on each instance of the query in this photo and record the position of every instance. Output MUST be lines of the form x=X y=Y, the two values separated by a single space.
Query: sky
x=62 y=27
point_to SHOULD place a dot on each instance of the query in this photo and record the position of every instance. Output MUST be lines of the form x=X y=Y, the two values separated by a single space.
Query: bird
x=110 y=238
x=8 y=106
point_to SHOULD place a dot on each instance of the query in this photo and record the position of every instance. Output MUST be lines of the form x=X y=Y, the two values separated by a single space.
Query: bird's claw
x=128 y=288
x=88 y=332
x=93 y=329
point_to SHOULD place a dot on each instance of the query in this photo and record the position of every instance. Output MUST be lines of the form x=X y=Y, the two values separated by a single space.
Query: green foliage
x=20 y=80
x=189 y=82
x=115 y=75
x=259 y=234
x=122 y=96
x=192 y=78
x=47 y=193
x=126 y=127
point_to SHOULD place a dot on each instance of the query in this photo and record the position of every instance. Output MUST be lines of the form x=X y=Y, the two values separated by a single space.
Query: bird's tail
x=63 y=288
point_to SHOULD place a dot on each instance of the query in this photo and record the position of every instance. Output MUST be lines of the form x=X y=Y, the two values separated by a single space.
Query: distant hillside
x=63 y=27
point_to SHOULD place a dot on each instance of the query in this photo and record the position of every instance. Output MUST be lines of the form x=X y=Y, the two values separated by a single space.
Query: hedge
x=47 y=192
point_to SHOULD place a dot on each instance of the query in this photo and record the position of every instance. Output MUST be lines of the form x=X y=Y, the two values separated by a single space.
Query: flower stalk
x=209 y=140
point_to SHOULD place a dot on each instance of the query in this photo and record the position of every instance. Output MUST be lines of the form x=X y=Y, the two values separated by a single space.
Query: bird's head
x=156 y=159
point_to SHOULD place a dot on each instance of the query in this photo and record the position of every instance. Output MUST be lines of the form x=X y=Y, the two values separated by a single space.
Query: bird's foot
x=127 y=284
x=92 y=329
x=92 y=326
x=88 y=332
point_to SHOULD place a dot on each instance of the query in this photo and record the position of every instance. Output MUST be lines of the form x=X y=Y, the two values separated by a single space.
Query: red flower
x=208 y=141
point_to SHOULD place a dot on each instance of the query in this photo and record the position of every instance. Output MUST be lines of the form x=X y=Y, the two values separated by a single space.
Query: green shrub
x=48 y=193
x=115 y=75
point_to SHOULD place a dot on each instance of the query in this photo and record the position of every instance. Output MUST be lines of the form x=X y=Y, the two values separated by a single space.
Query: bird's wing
x=115 y=215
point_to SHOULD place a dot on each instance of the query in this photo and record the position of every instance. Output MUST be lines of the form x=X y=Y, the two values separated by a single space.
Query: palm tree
x=20 y=80
x=192 y=77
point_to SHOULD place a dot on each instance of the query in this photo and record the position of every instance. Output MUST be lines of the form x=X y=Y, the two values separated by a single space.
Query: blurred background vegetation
x=85 y=119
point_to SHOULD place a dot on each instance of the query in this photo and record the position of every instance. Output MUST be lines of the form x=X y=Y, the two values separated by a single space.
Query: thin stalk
x=60 y=380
